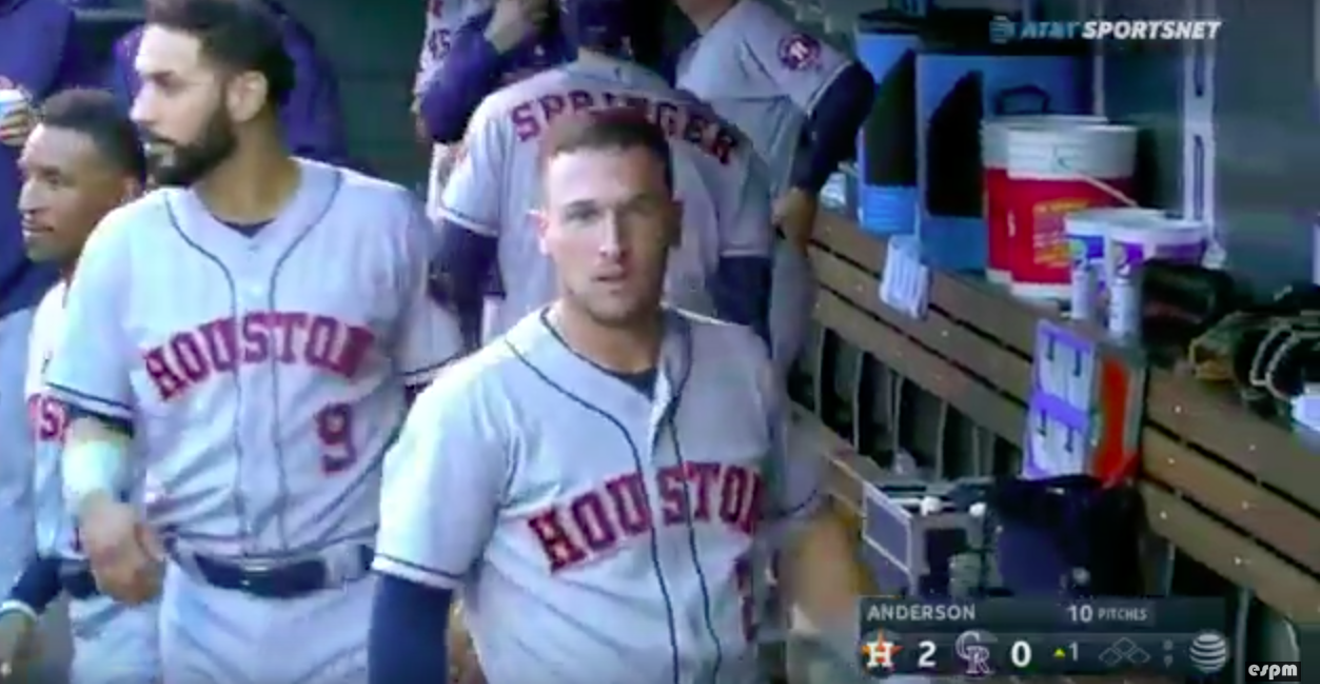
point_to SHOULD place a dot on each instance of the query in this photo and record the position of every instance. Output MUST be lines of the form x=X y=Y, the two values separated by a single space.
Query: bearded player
x=80 y=162
x=720 y=267
x=311 y=115
x=587 y=542
x=801 y=102
x=264 y=347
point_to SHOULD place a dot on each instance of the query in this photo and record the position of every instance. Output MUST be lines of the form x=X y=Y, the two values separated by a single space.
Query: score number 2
x=334 y=427
x=926 y=657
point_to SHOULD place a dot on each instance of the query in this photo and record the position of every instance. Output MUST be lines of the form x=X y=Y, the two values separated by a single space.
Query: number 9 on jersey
x=334 y=427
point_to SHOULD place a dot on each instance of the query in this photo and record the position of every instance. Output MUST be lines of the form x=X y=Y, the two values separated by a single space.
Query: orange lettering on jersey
x=692 y=124
x=593 y=524
x=221 y=346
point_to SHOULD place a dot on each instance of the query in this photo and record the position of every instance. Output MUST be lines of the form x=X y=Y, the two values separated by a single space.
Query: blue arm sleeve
x=406 y=638
x=39 y=584
x=839 y=114
x=742 y=292
x=470 y=73
x=463 y=266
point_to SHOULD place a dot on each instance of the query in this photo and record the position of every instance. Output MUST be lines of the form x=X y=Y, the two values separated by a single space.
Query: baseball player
x=802 y=103
x=443 y=17
x=600 y=483
x=83 y=160
x=39 y=58
x=721 y=267
x=263 y=347
x=312 y=119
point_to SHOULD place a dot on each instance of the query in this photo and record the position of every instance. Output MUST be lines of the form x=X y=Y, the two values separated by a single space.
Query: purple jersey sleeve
x=444 y=480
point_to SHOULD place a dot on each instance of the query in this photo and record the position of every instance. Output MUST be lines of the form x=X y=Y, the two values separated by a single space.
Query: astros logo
x=799 y=51
x=880 y=652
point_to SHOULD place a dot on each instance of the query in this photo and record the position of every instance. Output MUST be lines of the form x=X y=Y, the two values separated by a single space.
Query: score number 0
x=1019 y=654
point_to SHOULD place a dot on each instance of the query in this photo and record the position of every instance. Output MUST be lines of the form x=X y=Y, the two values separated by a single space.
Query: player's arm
x=89 y=370
x=444 y=481
x=741 y=283
x=832 y=127
x=834 y=91
x=429 y=337
x=470 y=220
x=819 y=571
x=472 y=70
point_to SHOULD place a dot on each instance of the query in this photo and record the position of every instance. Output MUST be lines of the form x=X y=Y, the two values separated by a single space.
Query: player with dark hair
x=310 y=110
x=81 y=161
x=603 y=485
x=239 y=339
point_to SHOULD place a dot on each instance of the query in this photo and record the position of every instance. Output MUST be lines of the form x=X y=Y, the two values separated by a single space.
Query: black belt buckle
x=277 y=581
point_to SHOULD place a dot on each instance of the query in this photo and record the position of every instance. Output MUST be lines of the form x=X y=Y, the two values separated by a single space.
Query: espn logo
x=1274 y=672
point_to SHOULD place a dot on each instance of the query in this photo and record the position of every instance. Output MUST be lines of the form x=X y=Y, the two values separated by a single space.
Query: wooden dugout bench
x=1232 y=501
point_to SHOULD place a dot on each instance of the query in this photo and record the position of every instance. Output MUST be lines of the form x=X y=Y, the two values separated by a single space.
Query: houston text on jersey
x=595 y=522
x=219 y=346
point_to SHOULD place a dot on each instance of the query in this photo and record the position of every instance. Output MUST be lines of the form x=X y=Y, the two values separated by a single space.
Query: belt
x=77 y=581
x=279 y=578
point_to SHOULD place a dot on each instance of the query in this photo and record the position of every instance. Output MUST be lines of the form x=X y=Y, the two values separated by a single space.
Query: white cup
x=10 y=98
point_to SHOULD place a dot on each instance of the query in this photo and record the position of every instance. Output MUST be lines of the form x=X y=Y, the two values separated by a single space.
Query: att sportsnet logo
x=1004 y=30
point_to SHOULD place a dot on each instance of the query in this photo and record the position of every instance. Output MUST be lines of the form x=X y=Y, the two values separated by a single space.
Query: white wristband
x=91 y=467
x=12 y=606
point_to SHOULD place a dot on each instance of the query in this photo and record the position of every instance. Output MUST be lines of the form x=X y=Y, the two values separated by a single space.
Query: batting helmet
x=609 y=26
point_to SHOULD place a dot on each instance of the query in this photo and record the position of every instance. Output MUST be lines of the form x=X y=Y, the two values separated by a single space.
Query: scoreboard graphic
x=1025 y=637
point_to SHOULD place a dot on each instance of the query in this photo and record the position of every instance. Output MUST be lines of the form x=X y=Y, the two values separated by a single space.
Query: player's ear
x=246 y=95
x=542 y=223
x=130 y=190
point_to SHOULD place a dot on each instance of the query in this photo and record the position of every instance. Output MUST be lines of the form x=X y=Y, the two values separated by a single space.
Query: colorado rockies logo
x=799 y=51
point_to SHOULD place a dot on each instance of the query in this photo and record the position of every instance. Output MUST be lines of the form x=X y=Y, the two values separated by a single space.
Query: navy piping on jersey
x=275 y=367
x=92 y=403
x=691 y=527
x=445 y=575
x=239 y=508
x=637 y=465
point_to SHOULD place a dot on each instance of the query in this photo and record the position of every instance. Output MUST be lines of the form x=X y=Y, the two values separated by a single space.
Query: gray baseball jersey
x=763 y=75
x=495 y=186
x=597 y=533
x=265 y=373
x=112 y=642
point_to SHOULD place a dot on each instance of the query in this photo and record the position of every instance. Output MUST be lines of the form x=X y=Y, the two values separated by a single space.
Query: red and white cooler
x=994 y=160
x=1051 y=172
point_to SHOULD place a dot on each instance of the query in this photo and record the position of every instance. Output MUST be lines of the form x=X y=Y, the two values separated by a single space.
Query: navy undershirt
x=643 y=381
x=247 y=229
